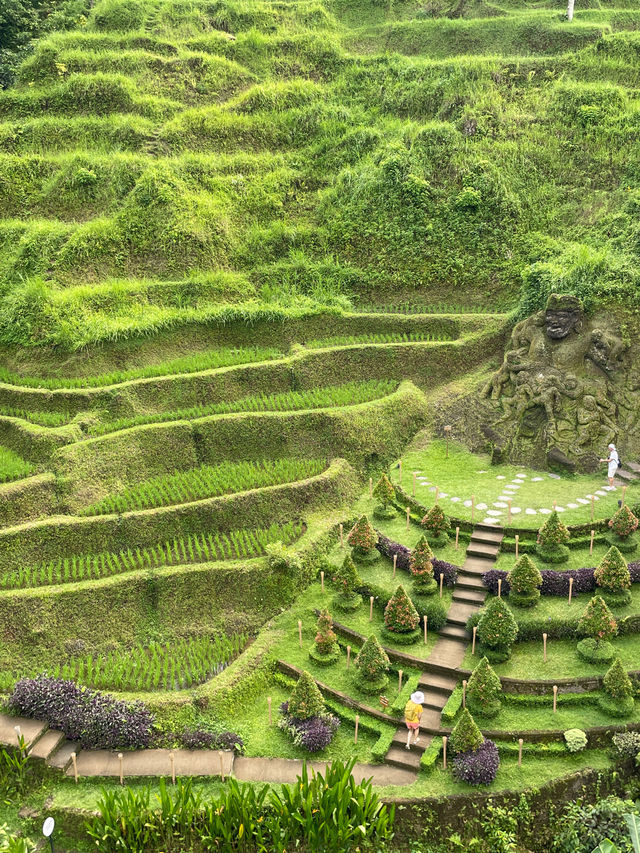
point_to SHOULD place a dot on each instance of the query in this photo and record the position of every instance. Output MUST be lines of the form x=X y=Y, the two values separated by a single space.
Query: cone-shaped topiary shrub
x=552 y=540
x=437 y=526
x=371 y=665
x=306 y=700
x=623 y=530
x=347 y=580
x=497 y=631
x=363 y=538
x=613 y=578
x=466 y=736
x=325 y=649
x=483 y=690
x=385 y=493
x=401 y=619
x=525 y=581
x=422 y=568
x=597 y=625
x=617 y=698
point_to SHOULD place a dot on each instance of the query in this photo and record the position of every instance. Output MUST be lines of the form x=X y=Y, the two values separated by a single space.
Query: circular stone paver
x=501 y=477
x=582 y=501
x=544 y=511
x=515 y=510
x=520 y=476
x=467 y=503
x=489 y=520
x=494 y=512
x=555 y=476
x=572 y=506
x=560 y=509
x=455 y=500
x=536 y=479
x=530 y=511
x=601 y=493
x=481 y=506
x=444 y=494
x=500 y=504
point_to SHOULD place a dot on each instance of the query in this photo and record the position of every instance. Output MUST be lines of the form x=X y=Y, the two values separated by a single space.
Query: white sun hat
x=417 y=697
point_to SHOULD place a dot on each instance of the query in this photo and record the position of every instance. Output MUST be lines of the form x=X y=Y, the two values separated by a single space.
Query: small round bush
x=595 y=652
x=483 y=690
x=372 y=665
x=552 y=540
x=386 y=494
x=597 y=621
x=478 y=767
x=497 y=630
x=436 y=613
x=400 y=616
x=347 y=580
x=437 y=526
x=617 y=691
x=627 y=744
x=525 y=581
x=575 y=740
x=363 y=539
x=466 y=736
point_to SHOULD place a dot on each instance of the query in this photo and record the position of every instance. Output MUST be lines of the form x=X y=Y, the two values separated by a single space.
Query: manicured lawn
x=12 y=466
x=522 y=717
x=562 y=660
x=464 y=474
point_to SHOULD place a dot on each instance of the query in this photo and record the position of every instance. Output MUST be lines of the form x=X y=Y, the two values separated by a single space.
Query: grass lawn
x=12 y=466
x=562 y=659
x=464 y=474
x=522 y=717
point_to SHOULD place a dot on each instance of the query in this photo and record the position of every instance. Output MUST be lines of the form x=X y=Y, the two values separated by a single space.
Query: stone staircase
x=439 y=678
x=42 y=742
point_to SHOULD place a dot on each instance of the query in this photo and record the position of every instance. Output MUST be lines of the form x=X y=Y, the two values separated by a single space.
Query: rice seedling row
x=381 y=338
x=45 y=419
x=203 y=548
x=12 y=466
x=349 y=394
x=186 y=364
x=206 y=482
x=416 y=308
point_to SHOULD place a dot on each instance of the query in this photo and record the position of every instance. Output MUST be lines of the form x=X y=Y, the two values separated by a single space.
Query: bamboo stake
x=395 y=563
x=74 y=761
x=441 y=582
x=425 y=629
x=444 y=753
x=121 y=764
x=370 y=608
x=499 y=587
x=520 y=742
x=399 y=680
x=457 y=536
x=570 y=589
x=355 y=739
x=464 y=694
x=544 y=647
x=348 y=656
x=473 y=642
x=517 y=545
x=555 y=699
x=322 y=581
x=407 y=518
x=221 y=758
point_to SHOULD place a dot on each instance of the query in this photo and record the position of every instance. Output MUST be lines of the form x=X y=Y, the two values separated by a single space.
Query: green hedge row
x=33 y=442
x=431 y=755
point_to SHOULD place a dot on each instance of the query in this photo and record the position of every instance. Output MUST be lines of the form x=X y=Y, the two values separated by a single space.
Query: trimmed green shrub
x=325 y=650
x=575 y=740
x=497 y=631
x=617 y=699
x=525 y=581
x=386 y=494
x=483 y=690
x=306 y=700
x=372 y=665
x=422 y=568
x=363 y=539
x=437 y=525
x=400 y=616
x=613 y=577
x=552 y=540
x=347 y=580
x=466 y=736
x=598 y=625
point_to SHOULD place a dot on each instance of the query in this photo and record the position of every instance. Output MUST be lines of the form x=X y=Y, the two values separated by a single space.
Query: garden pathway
x=437 y=681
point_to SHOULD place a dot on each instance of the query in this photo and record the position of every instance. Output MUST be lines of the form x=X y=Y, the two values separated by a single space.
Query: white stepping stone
x=503 y=497
x=560 y=509
x=609 y=488
x=467 y=503
x=602 y=493
x=572 y=506
x=482 y=472
x=515 y=510
x=595 y=497
x=520 y=476
x=444 y=495
x=513 y=488
x=455 y=500
x=481 y=506
x=500 y=504
x=582 y=501
x=501 y=477
x=555 y=476
x=494 y=512
x=544 y=511
x=432 y=488
x=530 y=511
x=536 y=479
x=489 y=520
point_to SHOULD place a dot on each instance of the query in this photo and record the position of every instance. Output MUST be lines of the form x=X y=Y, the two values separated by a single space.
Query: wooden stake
x=370 y=608
x=570 y=589
x=413 y=489
x=341 y=536
x=509 y=511
x=407 y=518
x=517 y=545
x=348 y=656
x=300 y=631
x=74 y=762
x=520 y=742
x=473 y=642
x=593 y=507
x=425 y=628
x=121 y=763
x=441 y=581
x=555 y=504
x=437 y=493
x=322 y=581
x=172 y=759
x=555 y=698
x=444 y=753
x=499 y=587
x=593 y=533
x=464 y=694
x=399 y=680
x=457 y=536
x=395 y=564
x=221 y=758
x=370 y=487
x=544 y=647
x=355 y=739
x=269 y=708
x=624 y=491
x=473 y=507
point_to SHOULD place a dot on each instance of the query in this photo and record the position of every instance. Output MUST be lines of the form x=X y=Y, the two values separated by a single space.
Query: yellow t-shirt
x=412 y=712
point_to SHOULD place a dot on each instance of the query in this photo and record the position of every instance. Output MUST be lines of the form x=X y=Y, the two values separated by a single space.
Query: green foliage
x=306 y=700
x=325 y=639
x=10 y=843
x=362 y=536
x=497 y=627
x=616 y=682
x=371 y=661
x=597 y=621
x=466 y=736
x=583 y=825
x=525 y=581
x=553 y=532
x=420 y=563
x=346 y=577
x=400 y=616
x=623 y=522
x=575 y=740
x=12 y=467
x=14 y=769
x=384 y=491
x=484 y=687
x=612 y=574
x=436 y=522
x=207 y=482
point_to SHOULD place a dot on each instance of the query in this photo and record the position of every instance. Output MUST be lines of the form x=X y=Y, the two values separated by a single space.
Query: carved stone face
x=558 y=324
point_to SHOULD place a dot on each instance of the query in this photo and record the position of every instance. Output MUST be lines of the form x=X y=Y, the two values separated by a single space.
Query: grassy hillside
x=170 y=160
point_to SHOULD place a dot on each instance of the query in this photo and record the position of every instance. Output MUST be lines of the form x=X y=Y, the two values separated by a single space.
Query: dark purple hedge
x=200 y=739
x=313 y=734
x=557 y=583
x=94 y=720
x=388 y=548
x=479 y=767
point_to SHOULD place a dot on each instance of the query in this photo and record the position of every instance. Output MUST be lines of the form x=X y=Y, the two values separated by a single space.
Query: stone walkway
x=437 y=681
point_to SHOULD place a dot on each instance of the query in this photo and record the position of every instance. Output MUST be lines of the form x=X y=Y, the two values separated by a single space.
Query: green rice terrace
x=319 y=443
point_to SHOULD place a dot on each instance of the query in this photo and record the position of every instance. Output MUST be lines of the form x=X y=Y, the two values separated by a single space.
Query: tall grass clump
x=206 y=482
x=12 y=466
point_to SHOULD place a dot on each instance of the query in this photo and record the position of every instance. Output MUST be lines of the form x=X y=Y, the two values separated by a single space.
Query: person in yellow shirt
x=412 y=714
